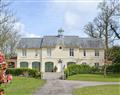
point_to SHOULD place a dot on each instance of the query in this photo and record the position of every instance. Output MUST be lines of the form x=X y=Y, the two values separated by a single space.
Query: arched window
x=84 y=63
x=23 y=64
x=36 y=65
x=70 y=63
x=49 y=66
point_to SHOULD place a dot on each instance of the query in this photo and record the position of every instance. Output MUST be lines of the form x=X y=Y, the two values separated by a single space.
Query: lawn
x=23 y=86
x=98 y=90
x=95 y=77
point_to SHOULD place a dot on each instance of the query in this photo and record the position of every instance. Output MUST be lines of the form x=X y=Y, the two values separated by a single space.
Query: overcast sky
x=45 y=17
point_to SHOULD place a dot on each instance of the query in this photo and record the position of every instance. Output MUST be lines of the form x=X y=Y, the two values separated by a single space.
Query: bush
x=23 y=72
x=97 y=69
x=77 y=69
x=114 y=68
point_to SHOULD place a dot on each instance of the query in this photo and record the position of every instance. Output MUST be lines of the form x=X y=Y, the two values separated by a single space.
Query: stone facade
x=58 y=53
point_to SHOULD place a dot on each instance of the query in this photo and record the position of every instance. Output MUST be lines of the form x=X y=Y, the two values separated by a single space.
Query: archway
x=49 y=66
x=11 y=64
x=23 y=64
x=36 y=65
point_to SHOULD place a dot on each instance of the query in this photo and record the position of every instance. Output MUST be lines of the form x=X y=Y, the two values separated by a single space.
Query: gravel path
x=64 y=87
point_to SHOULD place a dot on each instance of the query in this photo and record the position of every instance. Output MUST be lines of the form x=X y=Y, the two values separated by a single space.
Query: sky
x=37 y=18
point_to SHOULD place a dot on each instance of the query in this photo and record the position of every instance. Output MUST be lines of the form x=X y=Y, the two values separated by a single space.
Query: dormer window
x=60 y=47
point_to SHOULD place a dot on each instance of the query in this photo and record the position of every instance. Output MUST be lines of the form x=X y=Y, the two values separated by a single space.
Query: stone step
x=52 y=75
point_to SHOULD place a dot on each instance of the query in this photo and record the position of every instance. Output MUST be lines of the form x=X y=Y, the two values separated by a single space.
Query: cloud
x=71 y=18
x=31 y=35
x=20 y=27
x=76 y=14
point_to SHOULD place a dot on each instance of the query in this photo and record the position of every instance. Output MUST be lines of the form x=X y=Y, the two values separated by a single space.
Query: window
x=96 y=52
x=23 y=64
x=36 y=53
x=71 y=52
x=60 y=47
x=84 y=63
x=84 y=52
x=24 y=52
x=49 y=52
x=97 y=64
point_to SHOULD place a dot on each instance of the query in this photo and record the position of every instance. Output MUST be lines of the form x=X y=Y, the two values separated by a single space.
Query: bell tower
x=60 y=32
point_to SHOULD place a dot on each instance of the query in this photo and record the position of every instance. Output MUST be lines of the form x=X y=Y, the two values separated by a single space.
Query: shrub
x=77 y=69
x=97 y=69
x=66 y=72
x=85 y=69
x=114 y=68
x=23 y=71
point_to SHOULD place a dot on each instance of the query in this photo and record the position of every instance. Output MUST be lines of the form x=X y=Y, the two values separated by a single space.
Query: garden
x=24 y=81
x=87 y=73
x=20 y=80
x=96 y=74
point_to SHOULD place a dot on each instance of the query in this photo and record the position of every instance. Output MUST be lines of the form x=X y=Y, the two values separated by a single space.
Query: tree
x=115 y=54
x=8 y=34
x=104 y=25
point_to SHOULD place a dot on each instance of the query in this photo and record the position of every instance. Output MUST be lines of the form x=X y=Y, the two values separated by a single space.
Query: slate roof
x=94 y=43
x=49 y=41
x=68 y=41
x=30 y=43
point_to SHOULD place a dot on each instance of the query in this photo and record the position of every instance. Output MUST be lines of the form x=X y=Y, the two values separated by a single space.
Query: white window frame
x=97 y=53
x=36 y=53
x=49 y=51
x=71 y=52
x=24 y=52
x=96 y=64
x=84 y=52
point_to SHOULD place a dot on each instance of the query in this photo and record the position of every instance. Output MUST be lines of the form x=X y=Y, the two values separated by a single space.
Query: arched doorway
x=36 y=65
x=23 y=64
x=48 y=66
x=70 y=63
x=11 y=64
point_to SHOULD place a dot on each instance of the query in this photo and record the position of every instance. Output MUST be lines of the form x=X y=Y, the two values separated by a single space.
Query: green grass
x=95 y=77
x=98 y=90
x=23 y=86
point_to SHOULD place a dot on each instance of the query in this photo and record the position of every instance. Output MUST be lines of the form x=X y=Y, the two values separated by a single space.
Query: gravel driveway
x=64 y=87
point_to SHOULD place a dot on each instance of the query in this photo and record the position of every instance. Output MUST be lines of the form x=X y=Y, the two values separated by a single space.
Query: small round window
x=60 y=47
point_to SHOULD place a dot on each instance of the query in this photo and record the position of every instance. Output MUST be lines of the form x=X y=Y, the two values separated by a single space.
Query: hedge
x=24 y=72
x=77 y=69
x=114 y=68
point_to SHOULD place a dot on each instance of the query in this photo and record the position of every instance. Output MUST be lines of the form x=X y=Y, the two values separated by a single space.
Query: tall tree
x=105 y=25
x=7 y=28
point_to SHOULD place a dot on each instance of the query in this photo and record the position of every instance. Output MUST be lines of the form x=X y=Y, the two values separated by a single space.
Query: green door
x=36 y=65
x=48 y=67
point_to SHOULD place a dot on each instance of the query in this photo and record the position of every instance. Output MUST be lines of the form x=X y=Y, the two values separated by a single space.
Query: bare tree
x=8 y=34
x=105 y=25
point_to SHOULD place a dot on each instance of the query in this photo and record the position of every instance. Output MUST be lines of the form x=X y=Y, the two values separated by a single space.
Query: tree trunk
x=106 y=49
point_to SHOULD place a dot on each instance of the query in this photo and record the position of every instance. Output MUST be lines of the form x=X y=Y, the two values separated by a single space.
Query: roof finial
x=60 y=32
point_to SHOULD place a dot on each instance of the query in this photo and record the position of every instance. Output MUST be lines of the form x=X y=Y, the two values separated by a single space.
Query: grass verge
x=98 y=90
x=95 y=77
x=23 y=86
